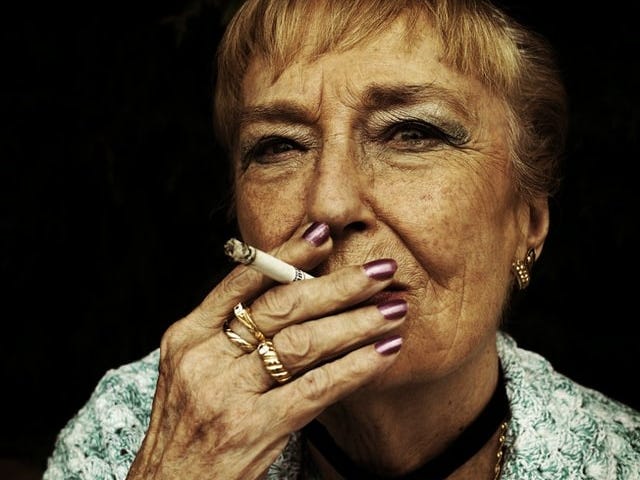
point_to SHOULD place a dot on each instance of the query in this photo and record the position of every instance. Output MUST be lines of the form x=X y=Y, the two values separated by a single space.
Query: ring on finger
x=237 y=340
x=272 y=362
x=244 y=316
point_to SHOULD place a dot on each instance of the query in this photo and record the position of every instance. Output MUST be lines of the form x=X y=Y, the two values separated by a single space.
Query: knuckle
x=280 y=303
x=234 y=284
x=190 y=365
x=171 y=339
x=314 y=385
x=294 y=344
x=179 y=357
x=345 y=286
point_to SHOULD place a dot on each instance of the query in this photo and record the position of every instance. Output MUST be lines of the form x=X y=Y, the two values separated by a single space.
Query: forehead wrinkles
x=301 y=94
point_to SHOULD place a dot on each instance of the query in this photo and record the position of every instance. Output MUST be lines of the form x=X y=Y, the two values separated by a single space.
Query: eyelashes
x=407 y=135
x=416 y=135
x=273 y=148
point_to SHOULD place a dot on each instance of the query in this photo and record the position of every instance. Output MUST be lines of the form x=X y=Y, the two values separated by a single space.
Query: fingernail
x=316 y=234
x=381 y=269
x=389 y=346
x=393 y=309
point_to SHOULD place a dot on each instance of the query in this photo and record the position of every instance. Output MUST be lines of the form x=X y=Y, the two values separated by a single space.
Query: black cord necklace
x=470 y=441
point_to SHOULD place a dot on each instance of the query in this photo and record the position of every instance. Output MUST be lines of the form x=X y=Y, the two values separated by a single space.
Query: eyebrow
x=386 y=97
x=282 y=111
x=375 y=98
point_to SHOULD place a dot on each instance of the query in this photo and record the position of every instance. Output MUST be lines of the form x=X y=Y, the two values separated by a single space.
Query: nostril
x=350 y=228
x=357 y=226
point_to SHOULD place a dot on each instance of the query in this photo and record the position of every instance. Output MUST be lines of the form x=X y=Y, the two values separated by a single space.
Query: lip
x=392 y=292
x=396 y=290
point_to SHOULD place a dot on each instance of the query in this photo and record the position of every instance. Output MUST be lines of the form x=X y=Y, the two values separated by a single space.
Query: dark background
x=112 y=213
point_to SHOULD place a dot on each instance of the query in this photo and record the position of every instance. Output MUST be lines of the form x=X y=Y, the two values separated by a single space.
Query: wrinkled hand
x=216 y=412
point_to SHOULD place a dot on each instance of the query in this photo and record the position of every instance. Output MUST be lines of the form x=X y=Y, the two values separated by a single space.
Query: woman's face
x=403 y=158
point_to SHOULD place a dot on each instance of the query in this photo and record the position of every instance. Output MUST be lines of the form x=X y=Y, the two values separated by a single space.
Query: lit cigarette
x=271 y=266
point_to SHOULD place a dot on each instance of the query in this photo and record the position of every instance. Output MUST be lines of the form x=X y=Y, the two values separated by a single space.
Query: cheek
x=459 y=228
x=442 y=221
x=267 y=212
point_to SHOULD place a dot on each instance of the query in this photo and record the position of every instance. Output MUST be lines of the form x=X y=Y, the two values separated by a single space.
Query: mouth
x=395 y=291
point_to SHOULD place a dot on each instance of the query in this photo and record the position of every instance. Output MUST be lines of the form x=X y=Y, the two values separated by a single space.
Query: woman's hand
x=217 y=413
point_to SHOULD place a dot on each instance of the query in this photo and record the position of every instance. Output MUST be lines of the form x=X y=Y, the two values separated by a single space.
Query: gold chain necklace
x=500 y=455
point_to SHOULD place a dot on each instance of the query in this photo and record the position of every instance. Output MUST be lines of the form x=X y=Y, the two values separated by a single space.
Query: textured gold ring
x=244 y=316
x=272 y=362
x=237 y=340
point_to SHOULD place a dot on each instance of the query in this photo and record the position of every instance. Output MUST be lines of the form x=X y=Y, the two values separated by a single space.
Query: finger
x=304 y=398
x=309 y=245
x=285 y=305
x=307 y=344
x=302 y=346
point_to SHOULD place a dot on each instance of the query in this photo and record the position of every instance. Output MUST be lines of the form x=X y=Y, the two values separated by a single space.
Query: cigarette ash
x=239 y=251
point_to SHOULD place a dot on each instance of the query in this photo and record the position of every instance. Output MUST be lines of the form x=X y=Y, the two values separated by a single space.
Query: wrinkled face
x=404 y=158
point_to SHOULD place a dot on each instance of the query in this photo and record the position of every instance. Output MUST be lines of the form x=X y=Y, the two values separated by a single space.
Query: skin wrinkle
x=299 y=112
x=386 y=99
x=444 y=308
x=304 y=357
x=458 y=309
x=342 y=413
x=438 y=216
x=395 y=135
x=378 y=99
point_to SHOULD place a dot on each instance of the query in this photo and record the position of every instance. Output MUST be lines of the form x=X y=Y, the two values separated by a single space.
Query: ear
x=536 y=227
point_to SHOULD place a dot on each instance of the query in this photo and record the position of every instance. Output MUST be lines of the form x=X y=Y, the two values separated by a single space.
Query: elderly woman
x=402 y=153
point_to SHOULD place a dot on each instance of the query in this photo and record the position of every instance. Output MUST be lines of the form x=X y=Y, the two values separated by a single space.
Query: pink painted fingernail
x=316 y=234
x=381 y=269
x=389 y=346
x=393 y=309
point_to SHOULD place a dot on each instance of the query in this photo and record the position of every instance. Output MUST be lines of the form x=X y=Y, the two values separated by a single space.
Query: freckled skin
x=402 y=158
x=447 y=215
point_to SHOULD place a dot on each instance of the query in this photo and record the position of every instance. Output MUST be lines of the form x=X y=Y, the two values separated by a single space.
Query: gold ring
x=272 y=363
x=237 y=339
x=244 y=316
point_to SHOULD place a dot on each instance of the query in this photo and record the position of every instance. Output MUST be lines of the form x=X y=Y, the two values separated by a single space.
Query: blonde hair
x=477 y=39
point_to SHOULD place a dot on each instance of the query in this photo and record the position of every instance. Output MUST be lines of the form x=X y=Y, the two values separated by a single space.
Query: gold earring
x=522 y=269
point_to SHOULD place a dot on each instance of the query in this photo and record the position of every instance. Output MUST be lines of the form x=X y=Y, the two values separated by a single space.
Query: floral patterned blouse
x=559 y=430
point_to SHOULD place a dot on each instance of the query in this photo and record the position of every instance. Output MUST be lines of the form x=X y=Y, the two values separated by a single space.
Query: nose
x=338 y=191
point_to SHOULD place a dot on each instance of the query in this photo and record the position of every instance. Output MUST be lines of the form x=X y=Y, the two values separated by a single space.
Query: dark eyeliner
x=258 y=149
x=453 y=134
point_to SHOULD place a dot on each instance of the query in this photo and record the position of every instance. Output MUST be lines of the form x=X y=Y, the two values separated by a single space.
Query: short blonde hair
x=477 y=39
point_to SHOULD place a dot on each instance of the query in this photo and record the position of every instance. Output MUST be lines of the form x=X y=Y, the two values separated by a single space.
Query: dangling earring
x=522 y=269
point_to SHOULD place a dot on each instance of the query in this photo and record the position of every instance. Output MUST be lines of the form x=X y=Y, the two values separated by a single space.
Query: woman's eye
x=415 y=135
x=272 y=148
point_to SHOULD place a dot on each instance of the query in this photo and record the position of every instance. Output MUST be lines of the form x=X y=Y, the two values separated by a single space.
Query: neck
x=396 y=431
